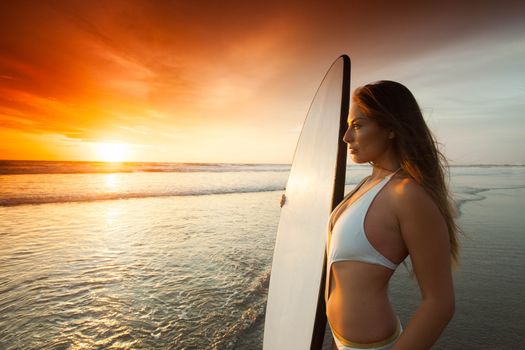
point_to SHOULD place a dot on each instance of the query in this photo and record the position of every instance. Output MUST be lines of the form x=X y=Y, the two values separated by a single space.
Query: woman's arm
x=425 y=234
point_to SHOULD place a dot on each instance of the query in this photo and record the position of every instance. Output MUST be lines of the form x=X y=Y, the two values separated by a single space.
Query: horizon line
x=229 y=163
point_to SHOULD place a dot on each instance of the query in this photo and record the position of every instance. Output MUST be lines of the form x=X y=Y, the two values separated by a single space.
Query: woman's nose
x=348 y=136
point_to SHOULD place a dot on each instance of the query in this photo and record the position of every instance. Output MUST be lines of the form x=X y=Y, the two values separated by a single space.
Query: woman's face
x=367 y=141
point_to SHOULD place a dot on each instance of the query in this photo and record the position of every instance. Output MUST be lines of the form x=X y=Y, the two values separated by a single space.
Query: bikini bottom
x=344 y=344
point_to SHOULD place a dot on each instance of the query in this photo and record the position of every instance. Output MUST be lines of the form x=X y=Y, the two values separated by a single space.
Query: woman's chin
x=356 y=159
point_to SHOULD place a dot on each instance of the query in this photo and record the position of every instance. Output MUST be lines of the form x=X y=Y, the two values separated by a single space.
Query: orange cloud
x=172 y=75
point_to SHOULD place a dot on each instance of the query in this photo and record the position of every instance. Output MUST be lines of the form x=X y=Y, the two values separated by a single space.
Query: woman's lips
x=353 y=150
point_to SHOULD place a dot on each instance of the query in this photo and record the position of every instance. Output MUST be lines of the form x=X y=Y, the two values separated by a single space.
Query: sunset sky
x=231 y=81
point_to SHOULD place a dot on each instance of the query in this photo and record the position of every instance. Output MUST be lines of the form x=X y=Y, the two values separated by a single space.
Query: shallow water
x=178 y=272
x=184 y=262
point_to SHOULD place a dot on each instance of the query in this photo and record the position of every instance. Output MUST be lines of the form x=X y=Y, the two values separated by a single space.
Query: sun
x=111 y=152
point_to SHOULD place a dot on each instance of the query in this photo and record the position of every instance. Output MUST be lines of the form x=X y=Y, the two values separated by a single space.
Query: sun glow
x=111 y=152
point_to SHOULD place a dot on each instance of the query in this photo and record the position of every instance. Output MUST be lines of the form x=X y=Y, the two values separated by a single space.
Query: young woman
x=403 y=208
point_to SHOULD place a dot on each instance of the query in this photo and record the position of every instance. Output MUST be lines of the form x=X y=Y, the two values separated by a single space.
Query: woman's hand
x=283 y=200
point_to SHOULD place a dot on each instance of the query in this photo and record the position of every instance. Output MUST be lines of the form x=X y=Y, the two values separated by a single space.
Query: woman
x=403 y=208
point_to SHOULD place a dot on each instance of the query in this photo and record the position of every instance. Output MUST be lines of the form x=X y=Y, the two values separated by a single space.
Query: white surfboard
x=295 y=316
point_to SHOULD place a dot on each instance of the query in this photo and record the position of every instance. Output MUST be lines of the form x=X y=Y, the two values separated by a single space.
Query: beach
x=178 y=256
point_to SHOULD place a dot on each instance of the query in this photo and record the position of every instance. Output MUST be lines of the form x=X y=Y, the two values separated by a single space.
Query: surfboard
x=295 y=316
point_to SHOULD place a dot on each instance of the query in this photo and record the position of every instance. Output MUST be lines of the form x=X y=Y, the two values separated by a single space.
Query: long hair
x=393 y=106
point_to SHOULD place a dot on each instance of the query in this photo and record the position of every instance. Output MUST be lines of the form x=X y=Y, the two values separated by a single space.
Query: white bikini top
x=347 y=239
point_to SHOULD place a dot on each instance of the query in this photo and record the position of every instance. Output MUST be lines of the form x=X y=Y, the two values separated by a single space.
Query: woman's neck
x=384 y=168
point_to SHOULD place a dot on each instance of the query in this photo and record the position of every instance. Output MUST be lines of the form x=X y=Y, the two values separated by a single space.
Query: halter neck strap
x=389 y=176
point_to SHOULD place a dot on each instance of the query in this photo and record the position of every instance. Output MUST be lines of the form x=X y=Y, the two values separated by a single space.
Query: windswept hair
x=393 y=106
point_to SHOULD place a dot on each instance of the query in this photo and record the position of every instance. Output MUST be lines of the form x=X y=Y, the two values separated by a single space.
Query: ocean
x=178 y=256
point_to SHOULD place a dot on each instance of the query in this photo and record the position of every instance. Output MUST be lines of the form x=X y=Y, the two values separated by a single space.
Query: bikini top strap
x=330 y=223
x=389 y=176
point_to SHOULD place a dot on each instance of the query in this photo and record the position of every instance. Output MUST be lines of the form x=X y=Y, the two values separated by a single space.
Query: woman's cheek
x=370 y=141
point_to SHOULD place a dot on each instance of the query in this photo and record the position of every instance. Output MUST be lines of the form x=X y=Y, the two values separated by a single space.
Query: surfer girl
x=403 y=208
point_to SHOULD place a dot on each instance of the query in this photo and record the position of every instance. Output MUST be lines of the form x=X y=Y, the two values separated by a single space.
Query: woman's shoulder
x=406 y=188
x=405 y=183
x=409 y=196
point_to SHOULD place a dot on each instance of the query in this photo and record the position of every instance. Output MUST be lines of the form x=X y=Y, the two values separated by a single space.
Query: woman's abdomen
x=358 y=306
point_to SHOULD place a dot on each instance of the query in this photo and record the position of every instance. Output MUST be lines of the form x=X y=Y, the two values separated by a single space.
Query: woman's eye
x=356 y=126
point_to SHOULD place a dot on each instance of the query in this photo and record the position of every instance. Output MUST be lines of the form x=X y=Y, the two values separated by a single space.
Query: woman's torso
x=357 y=304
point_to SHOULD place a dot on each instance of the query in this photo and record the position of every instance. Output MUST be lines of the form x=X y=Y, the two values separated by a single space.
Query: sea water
x=178 y=256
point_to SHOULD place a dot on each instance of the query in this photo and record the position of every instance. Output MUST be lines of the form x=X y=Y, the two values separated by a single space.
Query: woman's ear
x=391 y=135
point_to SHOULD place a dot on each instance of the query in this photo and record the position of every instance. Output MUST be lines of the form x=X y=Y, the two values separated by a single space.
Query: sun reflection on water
x=111 y=181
